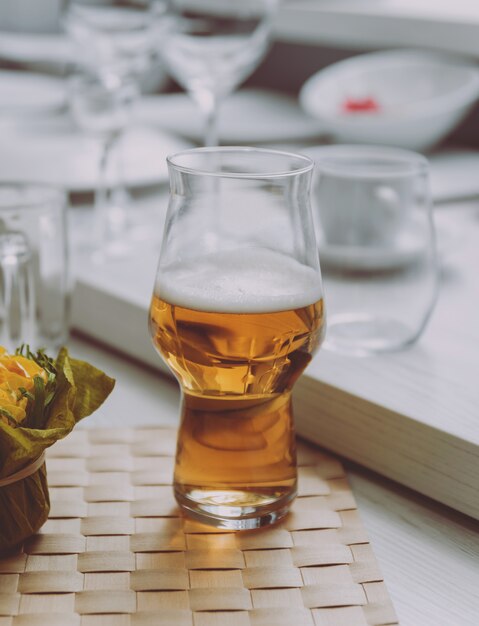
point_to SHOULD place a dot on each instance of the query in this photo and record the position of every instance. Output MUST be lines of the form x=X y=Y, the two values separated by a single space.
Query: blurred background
x=308 y=35
x=94 y=94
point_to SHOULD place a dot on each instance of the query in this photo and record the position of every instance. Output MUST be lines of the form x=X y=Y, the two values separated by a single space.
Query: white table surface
x=429 y=555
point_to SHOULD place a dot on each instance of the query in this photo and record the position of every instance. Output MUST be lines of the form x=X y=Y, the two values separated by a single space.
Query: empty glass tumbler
x=377 y=246
x=237 y=313
x=34 y=284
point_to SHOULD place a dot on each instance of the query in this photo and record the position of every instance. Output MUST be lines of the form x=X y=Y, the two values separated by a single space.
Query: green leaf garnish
x=43 y=394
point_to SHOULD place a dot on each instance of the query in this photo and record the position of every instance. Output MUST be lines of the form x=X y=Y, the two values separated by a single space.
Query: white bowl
x=421 y=97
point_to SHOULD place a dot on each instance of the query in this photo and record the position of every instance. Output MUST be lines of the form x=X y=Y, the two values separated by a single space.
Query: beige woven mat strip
x=116 y=551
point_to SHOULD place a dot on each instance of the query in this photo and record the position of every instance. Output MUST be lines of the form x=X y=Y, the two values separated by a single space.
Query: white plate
x=56 y=52
x=57 y=154
x=28 y=93
x=247 y=116
x=36 y=48
x=454 y=174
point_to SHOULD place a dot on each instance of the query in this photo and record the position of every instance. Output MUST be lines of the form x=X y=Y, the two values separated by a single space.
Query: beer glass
x=237 y=313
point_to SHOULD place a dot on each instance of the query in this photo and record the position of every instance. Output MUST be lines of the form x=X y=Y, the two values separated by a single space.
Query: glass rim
x=337 y=160
x=46 y=193
x=270 y=173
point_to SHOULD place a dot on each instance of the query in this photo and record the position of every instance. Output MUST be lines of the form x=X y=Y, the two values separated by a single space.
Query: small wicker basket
x=24 y=503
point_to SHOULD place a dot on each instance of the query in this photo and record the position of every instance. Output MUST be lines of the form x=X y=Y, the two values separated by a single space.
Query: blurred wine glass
x=212 y=46
x=115 y=48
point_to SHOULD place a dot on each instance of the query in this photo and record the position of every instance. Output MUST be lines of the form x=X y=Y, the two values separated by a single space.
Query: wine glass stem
x=102 y=201
x=209 y=107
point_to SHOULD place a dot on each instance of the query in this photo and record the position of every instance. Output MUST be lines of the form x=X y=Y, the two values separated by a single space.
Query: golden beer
x=237 y=368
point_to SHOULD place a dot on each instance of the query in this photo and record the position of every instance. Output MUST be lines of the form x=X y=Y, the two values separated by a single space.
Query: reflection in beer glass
x=237 y=313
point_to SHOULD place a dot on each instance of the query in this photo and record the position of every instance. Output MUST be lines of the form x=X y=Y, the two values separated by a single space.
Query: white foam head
x=252 y=280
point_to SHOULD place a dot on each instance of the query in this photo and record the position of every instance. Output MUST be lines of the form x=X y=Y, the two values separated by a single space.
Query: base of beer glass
x=361 y=334
x=234 y=517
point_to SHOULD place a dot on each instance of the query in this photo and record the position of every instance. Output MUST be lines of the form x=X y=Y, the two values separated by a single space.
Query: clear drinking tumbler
x=376 y=245
x=34 y=282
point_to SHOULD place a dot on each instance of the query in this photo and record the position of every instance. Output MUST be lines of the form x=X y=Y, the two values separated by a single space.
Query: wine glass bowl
x=114 y=38
x=210 y=49
x=98 y=109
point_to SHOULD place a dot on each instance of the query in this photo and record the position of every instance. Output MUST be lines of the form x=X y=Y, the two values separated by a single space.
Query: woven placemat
x=116 y=551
